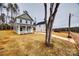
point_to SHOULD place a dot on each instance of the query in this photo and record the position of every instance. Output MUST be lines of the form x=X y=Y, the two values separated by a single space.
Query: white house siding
x=18 y=20
x=40 y=28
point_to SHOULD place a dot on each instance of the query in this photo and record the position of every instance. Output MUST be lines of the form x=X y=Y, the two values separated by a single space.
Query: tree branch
x=55 y=10
x=45 y=7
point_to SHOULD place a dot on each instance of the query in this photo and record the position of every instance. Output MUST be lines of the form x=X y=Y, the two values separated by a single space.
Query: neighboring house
x=23 y=24
x=40 y=27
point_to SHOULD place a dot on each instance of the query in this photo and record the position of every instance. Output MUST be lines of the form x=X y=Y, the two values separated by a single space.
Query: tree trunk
x=49 y=36
x=45 y=19
x=69 y=26
x=11 y=17
x=50 y=29
x=7 y=18
x=48 y=25
x=50 y=22
x=46 y=36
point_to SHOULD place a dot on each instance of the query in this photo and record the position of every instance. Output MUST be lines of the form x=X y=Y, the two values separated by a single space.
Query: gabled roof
x=40 y=23
x=25 y=16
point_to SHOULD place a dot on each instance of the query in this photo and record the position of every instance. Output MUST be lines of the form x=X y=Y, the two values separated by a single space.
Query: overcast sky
x=36 y=10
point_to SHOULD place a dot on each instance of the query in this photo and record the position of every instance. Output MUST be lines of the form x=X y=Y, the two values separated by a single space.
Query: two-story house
x=23 y=24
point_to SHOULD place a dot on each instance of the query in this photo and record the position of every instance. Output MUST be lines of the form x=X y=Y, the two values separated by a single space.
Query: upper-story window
x=20 y=21
x=26 y=21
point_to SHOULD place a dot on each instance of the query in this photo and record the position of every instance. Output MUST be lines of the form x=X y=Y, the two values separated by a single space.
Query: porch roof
x=21 y=24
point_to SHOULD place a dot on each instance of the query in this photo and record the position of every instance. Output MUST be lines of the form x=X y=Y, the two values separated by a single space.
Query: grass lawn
x=33 y=45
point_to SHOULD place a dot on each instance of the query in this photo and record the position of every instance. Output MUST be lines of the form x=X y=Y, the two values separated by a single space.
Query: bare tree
x=49 y=24
x=69 y=23
x=45 y=19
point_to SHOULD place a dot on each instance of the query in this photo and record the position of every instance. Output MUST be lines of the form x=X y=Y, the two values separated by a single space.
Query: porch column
x=18 y=29
x=25 y=29
x=31 y=29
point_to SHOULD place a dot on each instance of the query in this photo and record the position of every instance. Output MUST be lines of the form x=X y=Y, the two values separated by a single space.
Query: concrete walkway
x=62 y=38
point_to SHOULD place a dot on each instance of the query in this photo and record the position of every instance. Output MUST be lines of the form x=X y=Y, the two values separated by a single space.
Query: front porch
x=22 y=29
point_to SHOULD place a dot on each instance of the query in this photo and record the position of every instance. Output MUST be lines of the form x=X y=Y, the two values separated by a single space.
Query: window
x=20 y=21
x=26 y=21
